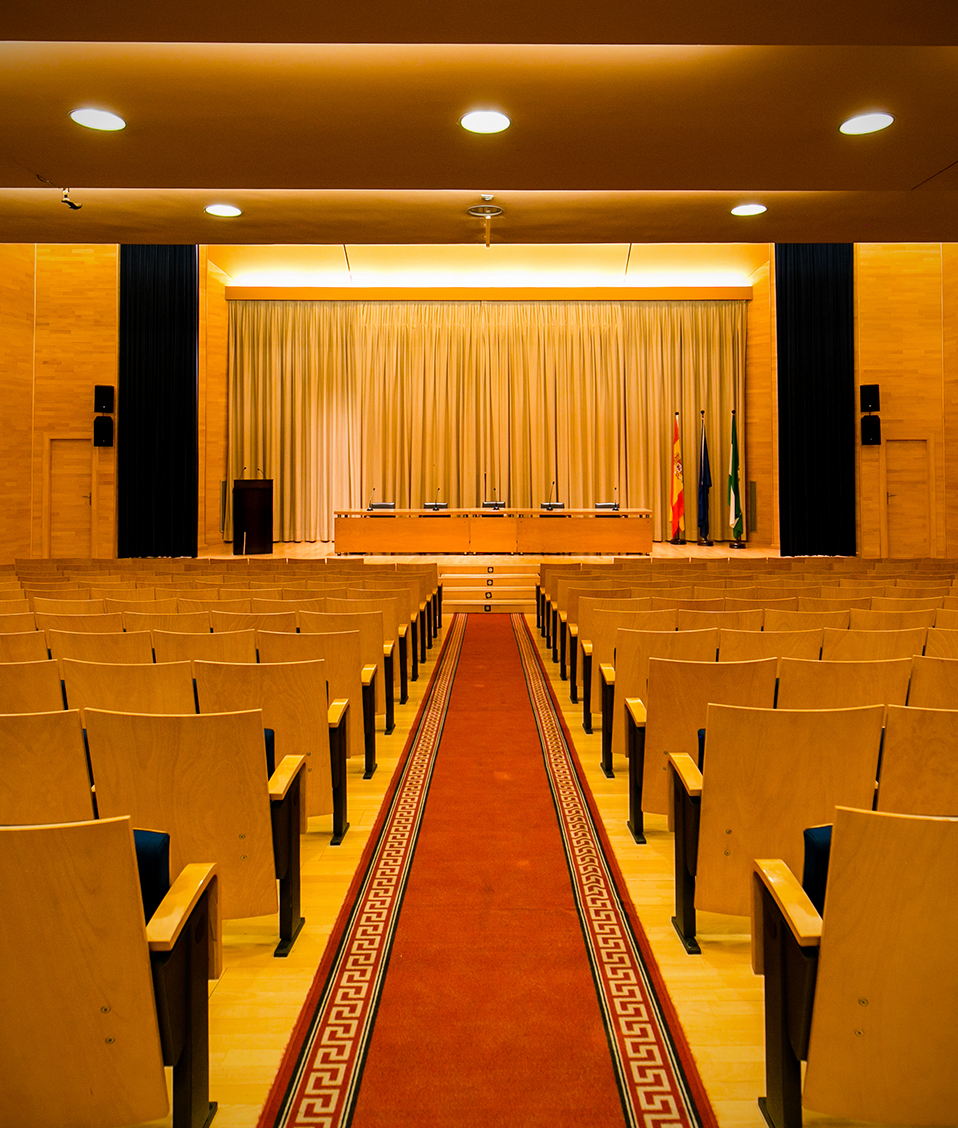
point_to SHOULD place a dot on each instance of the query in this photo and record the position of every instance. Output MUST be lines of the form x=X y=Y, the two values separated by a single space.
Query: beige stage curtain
x=415 y=400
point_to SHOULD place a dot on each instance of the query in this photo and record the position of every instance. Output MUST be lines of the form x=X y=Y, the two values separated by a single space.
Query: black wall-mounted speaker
x=869 y=397
x=871 y=430
x=103 y=431
x=103 y=398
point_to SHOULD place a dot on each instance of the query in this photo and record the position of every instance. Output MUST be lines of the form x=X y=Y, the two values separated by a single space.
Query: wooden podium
x=252 y=516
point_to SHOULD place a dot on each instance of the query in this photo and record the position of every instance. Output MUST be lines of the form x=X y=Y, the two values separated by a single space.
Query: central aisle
x=489 y=1012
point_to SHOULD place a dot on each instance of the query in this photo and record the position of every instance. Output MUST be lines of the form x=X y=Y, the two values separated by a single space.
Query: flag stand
x=705 y=484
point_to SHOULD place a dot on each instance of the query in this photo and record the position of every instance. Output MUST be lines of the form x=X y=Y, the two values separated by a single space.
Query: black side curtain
x=157 y=443
x=816 y=398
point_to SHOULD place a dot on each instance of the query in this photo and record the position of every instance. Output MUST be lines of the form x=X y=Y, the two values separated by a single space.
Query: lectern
x=252 y=516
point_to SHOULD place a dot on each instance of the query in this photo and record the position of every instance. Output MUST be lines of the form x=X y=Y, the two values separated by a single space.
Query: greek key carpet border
x=652 y=1083
x=325 y=1081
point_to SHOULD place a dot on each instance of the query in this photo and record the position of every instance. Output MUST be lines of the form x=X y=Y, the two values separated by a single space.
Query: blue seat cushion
x=818 y=846
x=270 y=751
x=153 y=862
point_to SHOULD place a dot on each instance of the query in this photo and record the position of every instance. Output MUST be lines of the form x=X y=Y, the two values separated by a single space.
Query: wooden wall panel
x=761 y=408
x=76 y=348
x=17 y=262
x=214 y=326
x=899 y=346
x=949 y=290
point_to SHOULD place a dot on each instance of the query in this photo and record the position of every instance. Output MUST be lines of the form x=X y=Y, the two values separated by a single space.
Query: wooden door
x=68 y=496
x=909 y=497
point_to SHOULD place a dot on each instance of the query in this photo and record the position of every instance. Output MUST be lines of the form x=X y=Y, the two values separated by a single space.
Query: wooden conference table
x=580 y=531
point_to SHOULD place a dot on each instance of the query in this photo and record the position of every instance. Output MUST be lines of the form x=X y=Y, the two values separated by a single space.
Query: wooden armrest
x=637 y=711
x=563 y=616
x=573 y=630
x=282 y=778
x=387 y=650
x=403 y=628
x=369 y=672
x=587 y=648
x=337 y=711
x=688 y=772
x=786 y=890
x=165 y=925
x=608 y=673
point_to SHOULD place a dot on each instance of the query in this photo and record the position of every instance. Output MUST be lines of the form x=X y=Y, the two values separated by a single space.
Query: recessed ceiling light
x=98 y=119
x=749 y=209
x=866 y=123
x=484 y=121
x=223 y=209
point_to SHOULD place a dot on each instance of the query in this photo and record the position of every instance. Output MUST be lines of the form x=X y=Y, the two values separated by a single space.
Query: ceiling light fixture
x=98 y=119
x=484 y=121
x=749 y=209
x=223 y=209
x=866 y=123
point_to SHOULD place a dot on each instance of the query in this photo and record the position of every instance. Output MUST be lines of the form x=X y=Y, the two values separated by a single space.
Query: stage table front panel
x=583 y=532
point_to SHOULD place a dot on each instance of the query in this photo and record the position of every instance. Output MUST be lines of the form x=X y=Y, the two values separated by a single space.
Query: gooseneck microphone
x=371 y=496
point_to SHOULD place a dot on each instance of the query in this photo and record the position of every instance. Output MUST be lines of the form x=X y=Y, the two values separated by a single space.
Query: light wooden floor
x=255 y=1003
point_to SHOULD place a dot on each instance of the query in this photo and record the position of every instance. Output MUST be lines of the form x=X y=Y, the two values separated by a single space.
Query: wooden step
x=523 y=607
x=510 y=567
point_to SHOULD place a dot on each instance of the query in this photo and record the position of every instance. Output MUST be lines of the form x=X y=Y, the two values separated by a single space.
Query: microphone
x=259 y=470
x=551 y=491
x=615 y=497
x=371 y=496
x=436 y=499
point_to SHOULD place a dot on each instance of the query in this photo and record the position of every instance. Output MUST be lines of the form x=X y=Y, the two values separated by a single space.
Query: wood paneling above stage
x=515 y=530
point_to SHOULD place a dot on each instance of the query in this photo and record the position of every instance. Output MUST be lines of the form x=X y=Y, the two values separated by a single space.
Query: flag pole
x=735 y=518
x=705 y=484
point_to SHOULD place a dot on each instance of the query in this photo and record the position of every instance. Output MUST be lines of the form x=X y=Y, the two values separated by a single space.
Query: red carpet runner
x=515 y=987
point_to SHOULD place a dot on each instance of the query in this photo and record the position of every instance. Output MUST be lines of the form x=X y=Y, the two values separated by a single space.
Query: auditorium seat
x=804 y=684
x=253 y=620
x=934 y=683
x=115 y=646
x=227 y=646
x=858 y=645
x=101 y=1001
x=294 y=699
x=163 y=687
x=203 y=780
x=30 y=687
x=141 y=606
x=347 y=677
x=23 y=646
x=99 y=621
x=805 y=620
x=941 y=643
x=186 y=622
x=919 y=769
x=45 y=777
x=747 y=646
x=867 y=994
x=768 y=774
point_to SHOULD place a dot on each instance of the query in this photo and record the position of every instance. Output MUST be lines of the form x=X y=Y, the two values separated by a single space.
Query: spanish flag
x=678 y=487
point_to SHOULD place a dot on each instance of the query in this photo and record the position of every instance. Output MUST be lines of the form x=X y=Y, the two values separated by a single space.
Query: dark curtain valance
x=816 y=398
x=157 y=447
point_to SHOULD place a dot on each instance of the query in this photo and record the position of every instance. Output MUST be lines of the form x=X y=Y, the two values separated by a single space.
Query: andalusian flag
x=678 y=486
x=734 y=498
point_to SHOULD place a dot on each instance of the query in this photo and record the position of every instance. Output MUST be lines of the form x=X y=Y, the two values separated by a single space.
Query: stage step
x=500 y=588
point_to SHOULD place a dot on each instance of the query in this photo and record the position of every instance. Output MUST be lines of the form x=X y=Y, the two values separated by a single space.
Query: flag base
x=704 y=542
x=737 y=544
x=677 y=540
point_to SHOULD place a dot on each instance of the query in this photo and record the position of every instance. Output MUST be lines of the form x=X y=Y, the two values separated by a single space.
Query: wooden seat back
x=919 y=769
x=68 y=606
x=750 y=619
x=227 y=646
x=885 y=916
x=633 y=651
x=769 y=774
x=205 y=604
x=142 y=606
x=105 y=622
x=45 y=777
x=678 y=701
x=598 y=620
x=736 y=603
x=369 y=625
x=164 y=687
x=115 y=646
x=186 y=622
x=746 y=646
x=23 y=646
x=902 y=602
x=293 y=699
x=934 y=683
x=372 y=602
x=18 y=622
x=941 y=643
x=13 y=606
x=694 y=605
x=828 y=602
x=30 y=687
x=857 y=646
x=805 y=684
x=342 y=654
x=201 y=779
x=75 y=958
x=889 y=620
x=805 y=620
x=255 y=621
